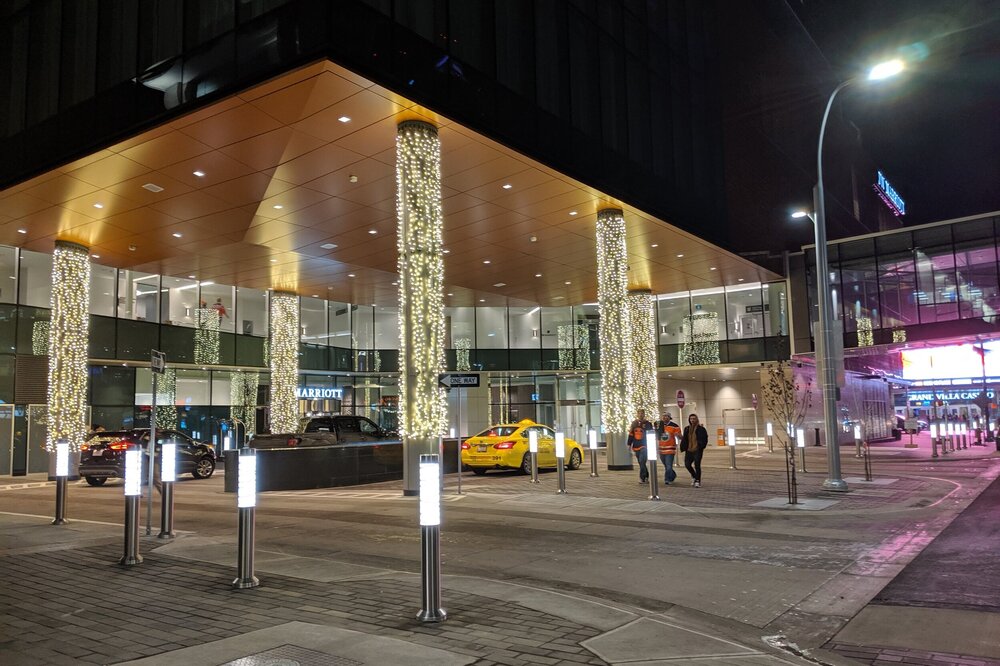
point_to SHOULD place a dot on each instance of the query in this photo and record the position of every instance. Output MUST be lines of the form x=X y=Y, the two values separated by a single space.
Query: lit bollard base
x=654 y=488
x=430 y=575
x=561 y=470
x=167 y=512
x=534 y=467
x=245 y=578
x=593 y=464
x=60 y=518
x=131 y=556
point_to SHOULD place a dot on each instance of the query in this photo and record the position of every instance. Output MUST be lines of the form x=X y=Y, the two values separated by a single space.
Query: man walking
x=693 y=443
x=668 y=433
x=637 y=442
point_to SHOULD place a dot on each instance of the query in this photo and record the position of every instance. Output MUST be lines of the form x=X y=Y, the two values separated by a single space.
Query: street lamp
x=825 y=363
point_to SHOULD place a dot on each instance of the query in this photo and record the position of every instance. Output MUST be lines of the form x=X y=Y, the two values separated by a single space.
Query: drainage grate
x=292 y=655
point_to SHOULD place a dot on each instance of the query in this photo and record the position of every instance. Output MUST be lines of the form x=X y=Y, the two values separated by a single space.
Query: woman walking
x=693 y=443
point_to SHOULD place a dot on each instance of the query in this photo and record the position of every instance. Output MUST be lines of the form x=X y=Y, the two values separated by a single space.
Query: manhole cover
x=292 y=655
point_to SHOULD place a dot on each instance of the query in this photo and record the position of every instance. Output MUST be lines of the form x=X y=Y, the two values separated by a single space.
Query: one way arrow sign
x=452 y=380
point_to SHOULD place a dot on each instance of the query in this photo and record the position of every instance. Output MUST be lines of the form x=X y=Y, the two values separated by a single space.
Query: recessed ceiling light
x=152 y=187
x=278 y=206
x=274 y=261
x=176 y=235
x=486 y=261
x=98 y=205
x=395 y=284
x=680 y=256
x=538 y=275
x=500 y=284
x=450 y=294
x=740 y=280
x=572 y=213
x=567 y=282
x=95 y=256
x=373 y=231
x=344 y=119
x=507 y=186
x=558 y=298
x=482 y=300
x=655 y=245
x=192 y=277
x=711 y=268
x=329 y=246
x=315 y=296
x=446 y=251
x=22 y=231
x=351 y=275
x=200 y=174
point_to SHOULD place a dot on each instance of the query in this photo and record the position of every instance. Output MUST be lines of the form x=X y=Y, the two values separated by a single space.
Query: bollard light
x=246 y=487
x=770 y=429
x=857 y=432
x=592 y=440
x=651 y=453
x=430 y=493
x=62 y=458
x=168 y=462
x=732 y=436
x=532 y=441
x=800 y=438
x=949 y=429
x=133 y=472
x=451 y=433
x=933 y=428
x=560 y=445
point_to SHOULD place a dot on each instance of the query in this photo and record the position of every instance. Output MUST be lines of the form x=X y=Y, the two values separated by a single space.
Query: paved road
x=704 y=559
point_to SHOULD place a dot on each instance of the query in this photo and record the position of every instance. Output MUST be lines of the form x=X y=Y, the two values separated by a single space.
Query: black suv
x=102 y=456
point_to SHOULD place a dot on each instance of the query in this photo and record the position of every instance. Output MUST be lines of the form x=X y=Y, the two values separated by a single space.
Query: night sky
x=935 y=132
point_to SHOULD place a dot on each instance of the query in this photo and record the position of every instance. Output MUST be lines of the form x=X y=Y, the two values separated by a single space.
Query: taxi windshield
x=498 y=431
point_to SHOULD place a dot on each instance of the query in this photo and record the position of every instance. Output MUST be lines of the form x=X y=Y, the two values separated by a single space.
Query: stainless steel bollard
x=533 y=450
x=592 y=441
x=167 y=511
x=800 y=442
x=246 y=502
x=652 y=453
x=534 y=466
x=561 y=462
x=732 y=447
x=430 y=541
x=62 y=472
x=133 y=494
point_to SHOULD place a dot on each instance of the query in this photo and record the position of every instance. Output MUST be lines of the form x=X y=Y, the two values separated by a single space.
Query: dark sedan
x=102 y=457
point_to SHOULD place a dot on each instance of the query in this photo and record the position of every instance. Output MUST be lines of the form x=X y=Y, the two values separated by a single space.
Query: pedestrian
x=637 y=442
x=693 y=443
x=668 y=433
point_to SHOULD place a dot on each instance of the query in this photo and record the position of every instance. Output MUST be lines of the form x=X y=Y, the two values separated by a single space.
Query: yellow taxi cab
x=506 y=447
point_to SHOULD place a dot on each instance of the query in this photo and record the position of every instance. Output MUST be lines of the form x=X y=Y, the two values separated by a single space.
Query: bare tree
x=788 y=402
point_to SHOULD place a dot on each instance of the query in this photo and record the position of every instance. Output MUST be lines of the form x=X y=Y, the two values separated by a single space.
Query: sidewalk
x=71 y=603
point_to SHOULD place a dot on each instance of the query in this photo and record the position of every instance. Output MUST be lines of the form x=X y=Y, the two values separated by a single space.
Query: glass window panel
x=775 y=309
x=340 y=325
x=524 y=327
x=491 y=328
x=179 y=302
x=711 y=301
x=35 y=282
x=976 y=270
x=193 y=388
x=897 y=280
x=222 y=388
x=101 y=337
x=115 y=385
x=221 y=298
x=745 y=311
x=387 y=327
x=136 y=338
x=8 y=275
x=251 y=310
x=33 y=331
x=460 y=327
x=138 y=296
x=364 y=327
x=102 y=290
x=937 y=290
x=671 y=309
x=312 y=320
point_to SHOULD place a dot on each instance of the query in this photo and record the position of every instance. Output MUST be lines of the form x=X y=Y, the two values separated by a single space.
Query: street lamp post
x=825 y=363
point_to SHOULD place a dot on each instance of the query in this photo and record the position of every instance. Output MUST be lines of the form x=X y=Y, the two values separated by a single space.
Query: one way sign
x=452 y=380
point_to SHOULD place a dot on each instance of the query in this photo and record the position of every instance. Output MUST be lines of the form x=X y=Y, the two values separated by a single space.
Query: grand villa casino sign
x=889 y=196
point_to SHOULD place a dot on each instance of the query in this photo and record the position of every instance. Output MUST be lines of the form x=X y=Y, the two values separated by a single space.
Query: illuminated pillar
x=423 y=409
x=68 y=345
x=642 y=327
x=284 y=350
x=616 y=354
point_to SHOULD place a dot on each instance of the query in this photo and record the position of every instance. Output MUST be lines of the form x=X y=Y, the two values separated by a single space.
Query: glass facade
x=887 y=284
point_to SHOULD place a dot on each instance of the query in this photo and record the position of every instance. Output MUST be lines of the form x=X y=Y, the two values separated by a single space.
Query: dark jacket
x=700 y=434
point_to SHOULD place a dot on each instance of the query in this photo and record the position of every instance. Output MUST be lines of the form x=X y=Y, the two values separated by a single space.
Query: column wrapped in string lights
x=166 y=399
x=206 y=336
x=69 y=321
x=423 y=407
x=642 y=326
x=284 y=362
x=243 y=398
x=616 y=354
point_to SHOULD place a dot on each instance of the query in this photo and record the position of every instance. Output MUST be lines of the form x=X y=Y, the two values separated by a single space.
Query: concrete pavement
x=702 y=577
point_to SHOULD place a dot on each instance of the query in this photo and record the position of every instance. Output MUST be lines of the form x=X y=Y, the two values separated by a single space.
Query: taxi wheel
x=479 y=471
x=525 y=467
x=575 y=459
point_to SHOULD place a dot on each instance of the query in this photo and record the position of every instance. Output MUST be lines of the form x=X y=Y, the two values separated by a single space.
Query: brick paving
x=883 y=656
x=77 y=606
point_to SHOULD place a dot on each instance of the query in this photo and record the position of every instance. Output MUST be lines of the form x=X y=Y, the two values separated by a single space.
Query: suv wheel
x=204 y=469
x=96 y=480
